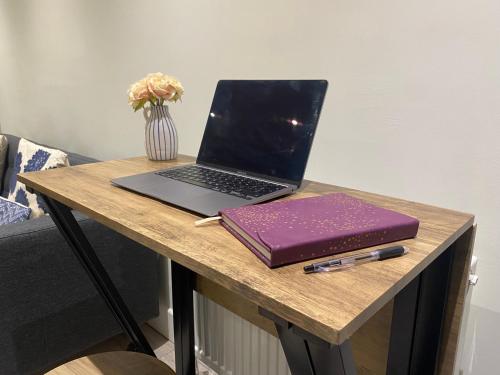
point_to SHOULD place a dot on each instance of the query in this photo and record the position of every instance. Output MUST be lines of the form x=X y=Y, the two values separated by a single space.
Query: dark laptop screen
x=263 y=127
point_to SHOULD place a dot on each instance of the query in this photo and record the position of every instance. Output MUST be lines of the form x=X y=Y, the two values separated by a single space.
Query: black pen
x=337 y=264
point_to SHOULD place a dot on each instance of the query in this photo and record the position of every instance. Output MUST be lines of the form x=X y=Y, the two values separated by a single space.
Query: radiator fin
x=231 y=345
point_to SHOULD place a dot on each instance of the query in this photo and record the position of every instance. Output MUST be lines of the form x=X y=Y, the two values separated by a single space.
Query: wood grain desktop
x=332 y=306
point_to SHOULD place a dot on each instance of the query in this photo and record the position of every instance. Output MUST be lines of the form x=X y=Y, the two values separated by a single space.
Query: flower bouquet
x=157 y=89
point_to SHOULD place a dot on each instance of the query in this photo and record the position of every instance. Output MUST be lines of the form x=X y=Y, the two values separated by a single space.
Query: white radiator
x=225 y=342
x=232 y=346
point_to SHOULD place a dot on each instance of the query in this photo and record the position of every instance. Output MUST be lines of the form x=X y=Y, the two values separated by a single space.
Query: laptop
x=255 y=147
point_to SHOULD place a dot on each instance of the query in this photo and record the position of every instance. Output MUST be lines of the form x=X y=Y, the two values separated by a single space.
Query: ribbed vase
x=160 y=135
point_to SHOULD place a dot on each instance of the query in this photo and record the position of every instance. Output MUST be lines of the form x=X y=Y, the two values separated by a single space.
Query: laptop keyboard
x=240 y=186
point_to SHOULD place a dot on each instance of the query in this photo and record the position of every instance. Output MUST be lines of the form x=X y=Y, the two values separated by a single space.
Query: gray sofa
x=49 y=309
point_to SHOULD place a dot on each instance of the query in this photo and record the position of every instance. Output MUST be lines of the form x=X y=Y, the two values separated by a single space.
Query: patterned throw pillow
x=32 y=157
x=12 y=212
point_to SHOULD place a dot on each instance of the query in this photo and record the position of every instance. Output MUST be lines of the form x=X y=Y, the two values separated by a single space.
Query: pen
x=336 y=264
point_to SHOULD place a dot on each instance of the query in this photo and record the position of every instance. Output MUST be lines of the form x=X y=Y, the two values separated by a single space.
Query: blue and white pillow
x=32 y=157
x=12 y=212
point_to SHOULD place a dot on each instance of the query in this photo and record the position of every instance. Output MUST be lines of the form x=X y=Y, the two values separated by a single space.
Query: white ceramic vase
x=160 y=134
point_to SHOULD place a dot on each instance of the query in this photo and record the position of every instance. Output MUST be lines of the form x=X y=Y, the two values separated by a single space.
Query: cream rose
x=138 y=91
x=159 y=86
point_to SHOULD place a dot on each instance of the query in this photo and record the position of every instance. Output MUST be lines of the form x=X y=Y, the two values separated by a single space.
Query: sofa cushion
x=4 y=145
x=12 y=212
x=9 y=163
x=31 y=157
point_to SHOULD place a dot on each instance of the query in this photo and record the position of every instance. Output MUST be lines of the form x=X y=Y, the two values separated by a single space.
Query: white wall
x=412 y=110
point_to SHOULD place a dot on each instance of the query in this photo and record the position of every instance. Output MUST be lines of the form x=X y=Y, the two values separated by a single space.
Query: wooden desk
x=314 y=315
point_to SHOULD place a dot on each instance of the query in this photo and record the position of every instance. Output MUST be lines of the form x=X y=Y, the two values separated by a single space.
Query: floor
x=163 y=348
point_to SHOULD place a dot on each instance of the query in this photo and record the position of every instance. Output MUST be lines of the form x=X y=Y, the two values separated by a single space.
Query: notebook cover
x=300 y=229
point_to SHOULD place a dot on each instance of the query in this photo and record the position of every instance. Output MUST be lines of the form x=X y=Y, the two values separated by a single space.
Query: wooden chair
x=114 y=363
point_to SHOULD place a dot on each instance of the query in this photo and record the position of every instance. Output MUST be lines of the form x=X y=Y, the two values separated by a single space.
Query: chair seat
x=114 y=363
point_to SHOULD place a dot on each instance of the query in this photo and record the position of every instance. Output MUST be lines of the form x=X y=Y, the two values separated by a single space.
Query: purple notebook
x=296 y=230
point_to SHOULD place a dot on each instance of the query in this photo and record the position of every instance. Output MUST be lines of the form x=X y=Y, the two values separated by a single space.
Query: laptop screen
x=263 y=128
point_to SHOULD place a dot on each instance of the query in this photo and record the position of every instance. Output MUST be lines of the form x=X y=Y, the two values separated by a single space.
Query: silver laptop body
x=255 y=148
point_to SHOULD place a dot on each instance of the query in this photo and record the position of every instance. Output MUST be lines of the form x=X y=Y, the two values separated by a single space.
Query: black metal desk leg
x=402 y=328
x=296 y=351
x=417 y=320
x=182 y=298
x=332 y=359
x=307 y=354
x=74 y=236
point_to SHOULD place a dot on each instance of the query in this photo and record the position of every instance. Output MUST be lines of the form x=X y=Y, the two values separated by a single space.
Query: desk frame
x=78 y=242
x=416 y=331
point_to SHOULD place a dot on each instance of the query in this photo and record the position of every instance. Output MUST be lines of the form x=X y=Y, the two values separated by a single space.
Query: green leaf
x=140 y=104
